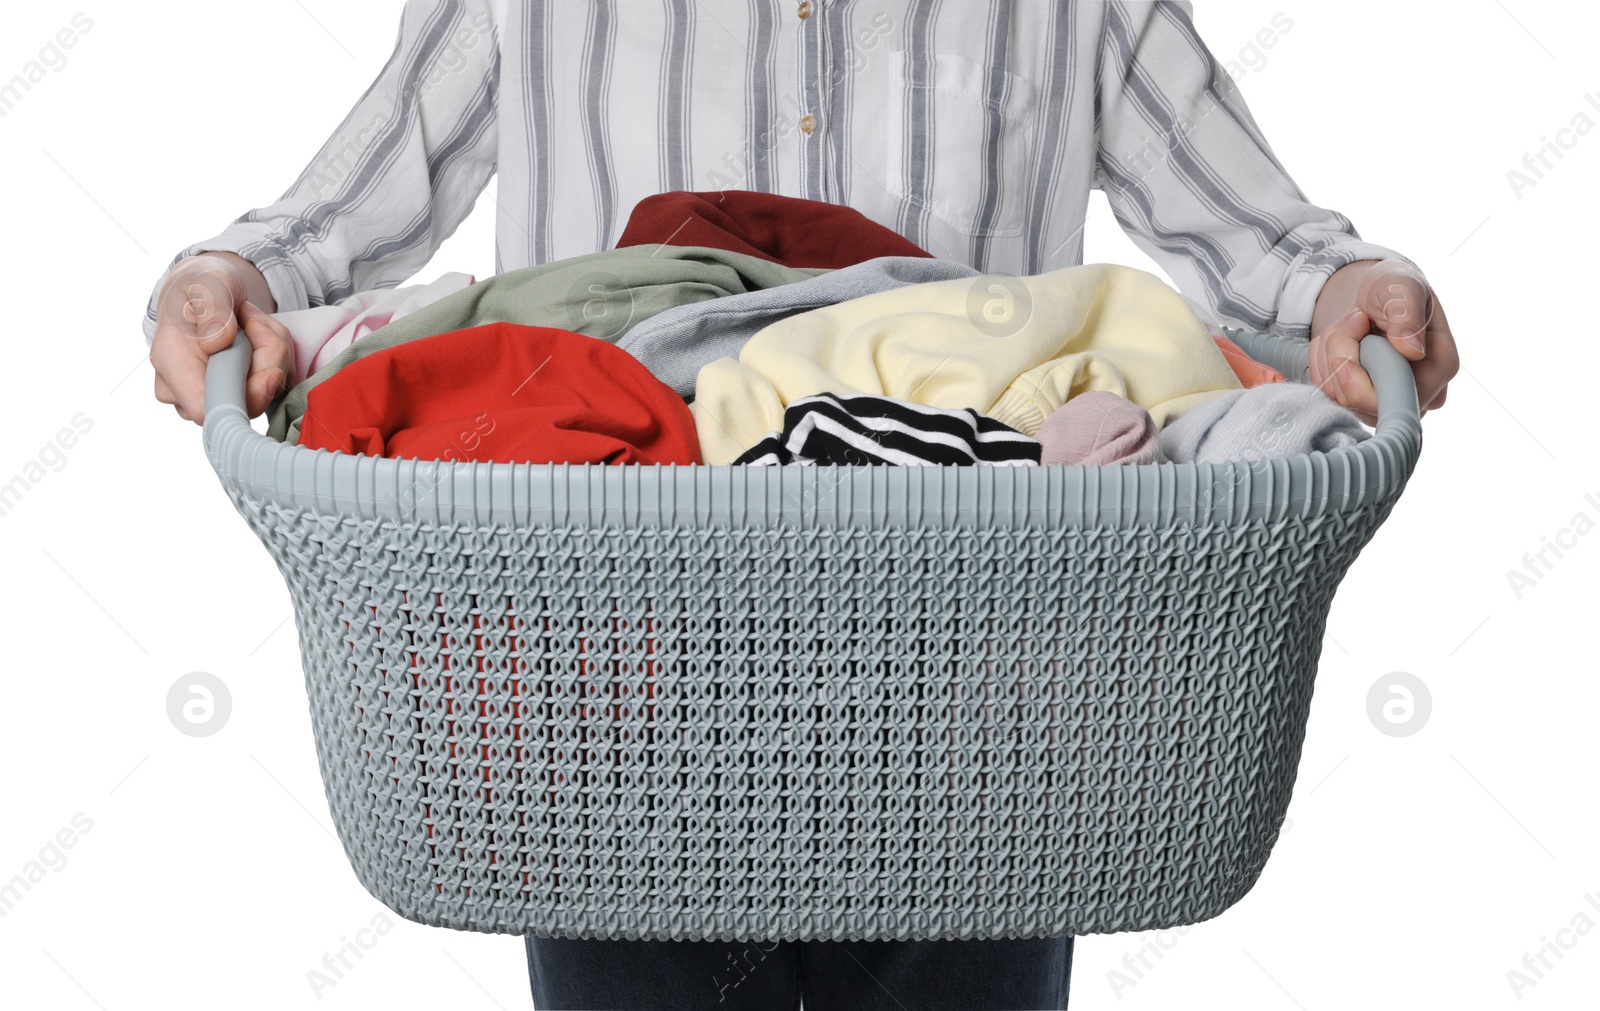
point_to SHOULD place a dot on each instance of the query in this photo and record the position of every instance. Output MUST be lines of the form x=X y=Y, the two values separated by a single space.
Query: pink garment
x=1098 y=428
x=321 y=332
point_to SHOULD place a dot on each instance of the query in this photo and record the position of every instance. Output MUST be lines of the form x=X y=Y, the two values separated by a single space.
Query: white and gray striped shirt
x=976 y=128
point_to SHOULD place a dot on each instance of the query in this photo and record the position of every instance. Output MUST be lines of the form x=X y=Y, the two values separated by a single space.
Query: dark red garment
x=503 y=393
x=786 y=230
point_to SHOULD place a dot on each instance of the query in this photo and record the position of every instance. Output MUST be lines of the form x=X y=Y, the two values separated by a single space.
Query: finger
x=1396 y=297
x=1432 y=379
x=1317 y=365
x=261 y=389
x=180 y=367
x=271 y=357
x=1331 y=348
x=1434 y=372
x=1343 y=378
x=1442 y=363
x=164 y=392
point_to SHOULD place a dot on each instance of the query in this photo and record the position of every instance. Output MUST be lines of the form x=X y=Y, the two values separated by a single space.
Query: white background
x=1415 y=872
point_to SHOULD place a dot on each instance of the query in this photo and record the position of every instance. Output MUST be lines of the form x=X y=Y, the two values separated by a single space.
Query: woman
x=976 y=130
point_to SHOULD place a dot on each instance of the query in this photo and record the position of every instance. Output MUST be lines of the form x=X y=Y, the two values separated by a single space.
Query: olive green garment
x=599 y=295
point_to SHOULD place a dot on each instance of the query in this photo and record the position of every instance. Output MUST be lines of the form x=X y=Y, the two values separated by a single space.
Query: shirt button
x=805 y=10
x=808 y=123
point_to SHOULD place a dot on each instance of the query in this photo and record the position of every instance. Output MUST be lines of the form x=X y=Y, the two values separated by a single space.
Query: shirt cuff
x=287 y=287
x=1307 y=274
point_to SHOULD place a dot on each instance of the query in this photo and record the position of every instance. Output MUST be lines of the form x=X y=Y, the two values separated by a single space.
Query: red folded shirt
x=786 y=230
x=503 y=393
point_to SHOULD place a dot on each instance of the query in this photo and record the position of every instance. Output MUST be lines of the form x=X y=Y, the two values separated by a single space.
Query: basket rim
x=1122 y=496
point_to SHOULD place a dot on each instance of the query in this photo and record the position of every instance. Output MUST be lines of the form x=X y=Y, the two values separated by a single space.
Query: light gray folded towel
x=1261 y=423
x=674 y=345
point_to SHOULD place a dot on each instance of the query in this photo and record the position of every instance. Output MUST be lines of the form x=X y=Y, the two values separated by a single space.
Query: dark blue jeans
x=773 y=975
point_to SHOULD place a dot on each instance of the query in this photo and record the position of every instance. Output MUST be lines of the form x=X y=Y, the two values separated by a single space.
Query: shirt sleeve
x=1195 y=185
x=396 y=178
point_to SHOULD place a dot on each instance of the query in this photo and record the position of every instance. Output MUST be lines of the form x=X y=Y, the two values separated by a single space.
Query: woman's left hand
x=1390 y=297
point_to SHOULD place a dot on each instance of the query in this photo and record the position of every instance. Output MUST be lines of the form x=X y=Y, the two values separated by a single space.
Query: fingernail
x=249 y=307
x=1410 y=338
x=1353 y=313
x=214 y=330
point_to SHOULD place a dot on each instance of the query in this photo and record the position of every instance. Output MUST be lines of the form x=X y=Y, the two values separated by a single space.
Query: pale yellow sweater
x=1093 y=327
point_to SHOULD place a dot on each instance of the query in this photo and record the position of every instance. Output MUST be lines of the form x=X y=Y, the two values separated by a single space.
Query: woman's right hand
x=203 y=304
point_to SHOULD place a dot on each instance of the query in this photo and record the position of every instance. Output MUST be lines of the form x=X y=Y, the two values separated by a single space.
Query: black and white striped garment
x=862 y=429
x=975 y=128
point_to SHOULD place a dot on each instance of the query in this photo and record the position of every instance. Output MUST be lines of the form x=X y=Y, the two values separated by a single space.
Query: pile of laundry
x=746 y=328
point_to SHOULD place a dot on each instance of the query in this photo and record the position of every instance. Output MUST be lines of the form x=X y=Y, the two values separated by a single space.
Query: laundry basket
x=800 y=703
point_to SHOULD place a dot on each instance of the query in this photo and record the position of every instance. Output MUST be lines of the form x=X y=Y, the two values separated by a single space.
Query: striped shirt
x=975 y=128
x=862 y=429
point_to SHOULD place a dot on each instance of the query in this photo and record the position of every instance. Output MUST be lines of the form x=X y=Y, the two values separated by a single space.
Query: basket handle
x=226 y=372
x=1391 y=374
x=1393 y=381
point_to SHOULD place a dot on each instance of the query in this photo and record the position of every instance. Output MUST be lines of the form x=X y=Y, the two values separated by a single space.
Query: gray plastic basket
x=811 y=703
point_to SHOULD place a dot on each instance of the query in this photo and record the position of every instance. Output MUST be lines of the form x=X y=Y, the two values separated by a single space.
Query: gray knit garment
x=1261 y=423
x=674 y=345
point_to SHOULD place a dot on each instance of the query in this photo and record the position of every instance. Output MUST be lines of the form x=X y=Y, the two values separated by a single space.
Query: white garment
x=1262 y=423
x=320 y=333
x=976 y=129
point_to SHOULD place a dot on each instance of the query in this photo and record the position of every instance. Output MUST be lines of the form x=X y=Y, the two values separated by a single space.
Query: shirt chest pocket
x=956 y=142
